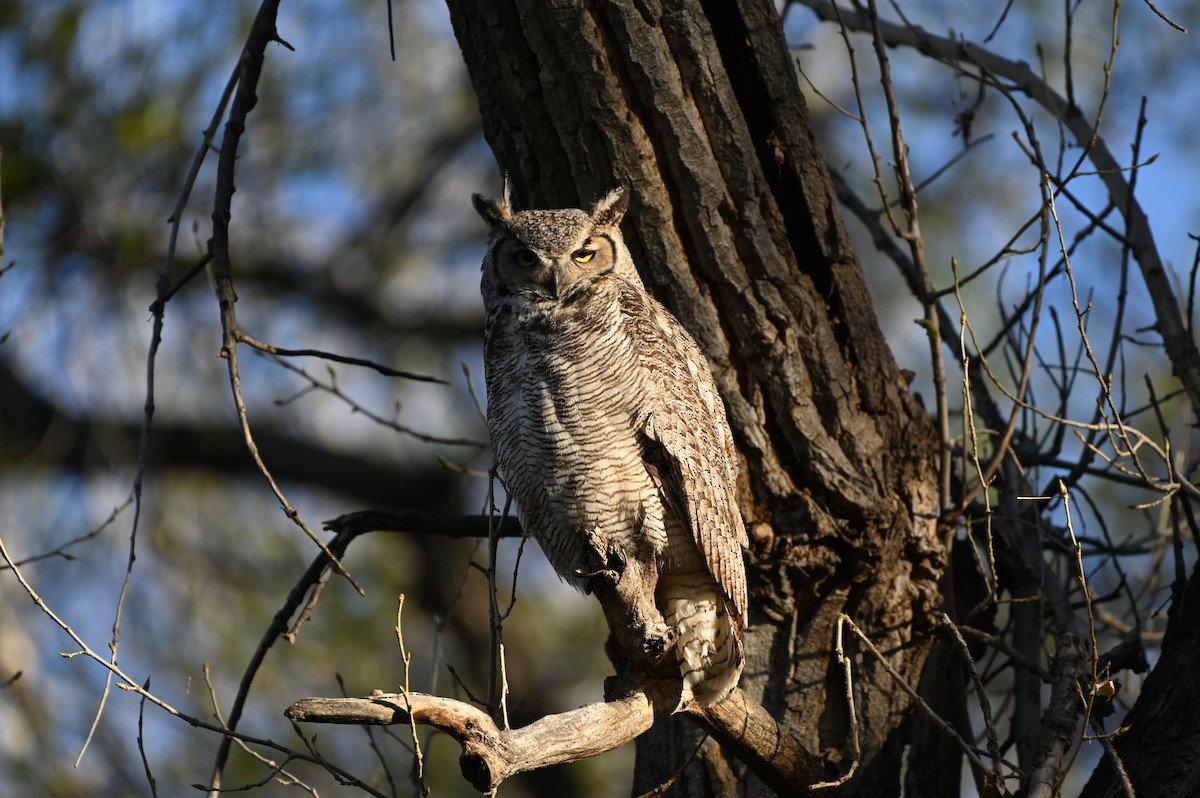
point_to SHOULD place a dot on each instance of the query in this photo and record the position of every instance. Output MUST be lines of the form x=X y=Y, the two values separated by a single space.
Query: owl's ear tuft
x=609 y=211
x=494 y=213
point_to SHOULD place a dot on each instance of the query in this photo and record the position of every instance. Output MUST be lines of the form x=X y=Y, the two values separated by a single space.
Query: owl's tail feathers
x=708 y=641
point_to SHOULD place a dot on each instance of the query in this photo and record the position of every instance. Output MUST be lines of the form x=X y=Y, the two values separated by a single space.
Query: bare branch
x=331 y=387
x=2 y=266
x=491 y=755
x=1059 y=719
x=61 y=550
x=916 y=244
x=416 y=522
x=1164 y=17
x=386 y=371
x=126 y=683
x=1182 y=351
x=919 y=702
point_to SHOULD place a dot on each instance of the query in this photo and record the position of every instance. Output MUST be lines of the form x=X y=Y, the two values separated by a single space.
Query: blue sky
x=339 y=126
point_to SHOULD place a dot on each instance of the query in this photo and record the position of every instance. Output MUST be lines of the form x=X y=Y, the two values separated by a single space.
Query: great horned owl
x=604 y=419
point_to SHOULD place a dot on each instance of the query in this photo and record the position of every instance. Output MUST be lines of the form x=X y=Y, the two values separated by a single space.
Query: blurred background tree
x=353 y=233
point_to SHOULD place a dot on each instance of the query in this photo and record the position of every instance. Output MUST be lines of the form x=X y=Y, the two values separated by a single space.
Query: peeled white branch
x=491 y=755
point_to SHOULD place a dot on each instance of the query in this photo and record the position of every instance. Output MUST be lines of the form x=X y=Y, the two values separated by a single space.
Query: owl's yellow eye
x=526 y=258
x=583 y=255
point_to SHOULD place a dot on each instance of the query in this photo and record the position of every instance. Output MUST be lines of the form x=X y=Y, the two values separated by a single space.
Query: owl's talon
x=606 y=558
x=608 y=575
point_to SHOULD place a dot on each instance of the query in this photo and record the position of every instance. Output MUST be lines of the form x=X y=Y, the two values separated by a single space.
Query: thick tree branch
x=46 y=435
x=1060 y=717
x=744 y=727
x=491 y=755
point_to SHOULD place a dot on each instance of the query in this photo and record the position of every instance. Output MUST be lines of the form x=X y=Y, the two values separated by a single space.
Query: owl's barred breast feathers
x=604 y=418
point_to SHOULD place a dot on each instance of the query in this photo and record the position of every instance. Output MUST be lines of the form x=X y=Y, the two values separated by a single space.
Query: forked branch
x=489 y=755
x=647 y=688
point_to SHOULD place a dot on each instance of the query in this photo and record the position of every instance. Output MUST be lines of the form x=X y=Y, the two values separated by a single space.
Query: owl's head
x=544 y=256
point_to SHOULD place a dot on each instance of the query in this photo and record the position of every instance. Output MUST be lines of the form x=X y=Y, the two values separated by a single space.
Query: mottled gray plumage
x=604 y=418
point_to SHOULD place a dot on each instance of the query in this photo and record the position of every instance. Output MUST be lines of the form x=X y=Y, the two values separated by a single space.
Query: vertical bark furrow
x=735 y=227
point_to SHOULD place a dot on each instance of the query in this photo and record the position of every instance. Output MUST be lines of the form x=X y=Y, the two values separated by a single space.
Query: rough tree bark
x=735 y=226
x=1158 y=752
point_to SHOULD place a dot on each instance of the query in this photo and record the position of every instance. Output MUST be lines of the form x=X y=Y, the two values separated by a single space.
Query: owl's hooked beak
x=554 y=282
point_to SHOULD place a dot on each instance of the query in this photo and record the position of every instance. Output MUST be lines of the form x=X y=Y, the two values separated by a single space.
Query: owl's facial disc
x=542 y=276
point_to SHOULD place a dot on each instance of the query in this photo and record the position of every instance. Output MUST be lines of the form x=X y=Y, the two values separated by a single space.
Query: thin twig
x=1180 y=348
x=374 y=744
x=167 y=294
x=497 y=680
x=911 y=233
x=141 y=742
x=985 y=706
x=848 y=676
x=276 y=768
x=61 y=550
x=938 y=721
x=331 y=387
x=278 y=628
x=128 y=684
x=386 y=371
x=1101 y=378
x=663 y=788
x=406 y=658
x=1164 y=17
x=262 y=33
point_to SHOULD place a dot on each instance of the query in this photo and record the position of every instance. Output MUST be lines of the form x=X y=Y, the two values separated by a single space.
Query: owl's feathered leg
x=707 y=637
x=707 y=634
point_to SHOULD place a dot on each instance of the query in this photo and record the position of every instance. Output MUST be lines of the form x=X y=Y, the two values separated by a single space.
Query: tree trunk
x=735 y=227
x=1158 y=749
